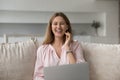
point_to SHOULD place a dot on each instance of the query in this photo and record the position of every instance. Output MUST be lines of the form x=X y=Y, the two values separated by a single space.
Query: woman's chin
x=59 y=36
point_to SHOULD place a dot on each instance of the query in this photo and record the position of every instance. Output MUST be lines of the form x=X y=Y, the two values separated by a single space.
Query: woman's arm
x=71 y=57
x=38 y=71
x=78 y=52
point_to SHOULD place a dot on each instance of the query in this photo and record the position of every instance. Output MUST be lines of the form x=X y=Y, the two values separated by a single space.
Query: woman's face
x=59 y=26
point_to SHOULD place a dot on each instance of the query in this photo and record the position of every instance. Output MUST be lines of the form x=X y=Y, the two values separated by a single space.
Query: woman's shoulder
x=43 y=46
x=75 y=42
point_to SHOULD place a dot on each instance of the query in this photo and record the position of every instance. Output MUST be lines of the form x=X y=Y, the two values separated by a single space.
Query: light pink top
x=46 y=56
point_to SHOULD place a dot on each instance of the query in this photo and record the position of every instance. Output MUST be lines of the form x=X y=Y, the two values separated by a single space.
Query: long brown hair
x=49 y=36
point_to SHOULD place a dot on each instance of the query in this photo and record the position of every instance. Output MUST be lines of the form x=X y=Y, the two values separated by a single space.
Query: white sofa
x=17 y=60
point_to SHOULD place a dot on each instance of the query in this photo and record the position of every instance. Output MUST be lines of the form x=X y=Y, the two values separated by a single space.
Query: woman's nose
x=59 y=25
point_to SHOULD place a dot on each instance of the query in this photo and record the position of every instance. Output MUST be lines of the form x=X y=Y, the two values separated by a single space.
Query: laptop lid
x=67 y=72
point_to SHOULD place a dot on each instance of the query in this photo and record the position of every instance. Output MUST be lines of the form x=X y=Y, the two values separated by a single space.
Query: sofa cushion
x=17 y=60
x=104 y=60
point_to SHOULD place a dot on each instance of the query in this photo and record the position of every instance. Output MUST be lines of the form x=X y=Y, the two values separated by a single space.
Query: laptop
x=67 y=72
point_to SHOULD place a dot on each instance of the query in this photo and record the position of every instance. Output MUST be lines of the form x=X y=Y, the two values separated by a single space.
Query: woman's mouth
x=58 y=31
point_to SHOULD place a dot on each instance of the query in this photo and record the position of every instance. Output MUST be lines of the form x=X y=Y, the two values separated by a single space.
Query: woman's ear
x=66 y=29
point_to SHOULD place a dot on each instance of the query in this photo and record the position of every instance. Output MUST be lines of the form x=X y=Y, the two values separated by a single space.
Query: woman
x=58 y=48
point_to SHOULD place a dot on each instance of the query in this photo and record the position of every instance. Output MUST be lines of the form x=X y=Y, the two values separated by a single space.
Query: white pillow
x=17 y=60
x=104 y=60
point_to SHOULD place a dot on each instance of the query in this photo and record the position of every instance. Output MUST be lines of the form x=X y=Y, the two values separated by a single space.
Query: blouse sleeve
x=38 y=71
x=78 y=52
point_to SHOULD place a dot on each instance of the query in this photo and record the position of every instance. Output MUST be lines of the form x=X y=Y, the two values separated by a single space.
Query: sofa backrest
x=17 y=60
x=103 y=59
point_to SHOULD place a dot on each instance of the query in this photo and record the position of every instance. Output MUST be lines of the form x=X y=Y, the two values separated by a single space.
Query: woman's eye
x=63 y=23
x=54 y=23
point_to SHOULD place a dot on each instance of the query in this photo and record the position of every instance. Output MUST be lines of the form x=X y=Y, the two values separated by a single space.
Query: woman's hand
x=68 y=40
x=70 y=55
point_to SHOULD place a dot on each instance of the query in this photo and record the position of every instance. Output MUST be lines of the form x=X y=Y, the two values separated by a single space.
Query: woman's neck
x=58 y=42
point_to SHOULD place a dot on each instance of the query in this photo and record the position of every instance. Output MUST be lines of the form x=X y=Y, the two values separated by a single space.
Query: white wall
x=45 y=5
x=107 y=9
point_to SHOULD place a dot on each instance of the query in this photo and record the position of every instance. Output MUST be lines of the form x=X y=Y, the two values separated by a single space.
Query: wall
x=45 y=5
x=16 y=11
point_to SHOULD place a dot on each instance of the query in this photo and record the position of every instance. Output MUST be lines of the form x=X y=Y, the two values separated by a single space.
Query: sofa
x=17 y=60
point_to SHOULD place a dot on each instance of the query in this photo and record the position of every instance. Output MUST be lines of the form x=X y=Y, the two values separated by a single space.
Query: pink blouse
x=46 y=56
